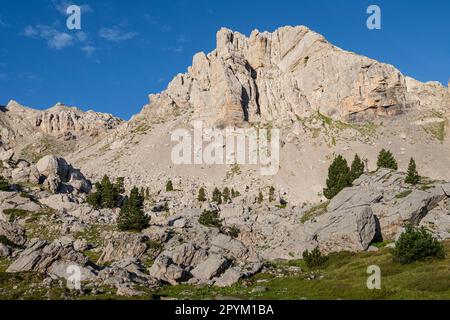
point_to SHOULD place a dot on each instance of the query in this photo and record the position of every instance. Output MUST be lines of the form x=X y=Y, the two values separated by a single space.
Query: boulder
x=40 y=256
x=13 y=232
x=164 y=269
x=53 y=166
x=122 y=246
x=213 y=266
x=5 y=251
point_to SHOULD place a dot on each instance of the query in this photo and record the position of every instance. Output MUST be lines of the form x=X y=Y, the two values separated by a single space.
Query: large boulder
x=350 y=229
x=13 y=232
x=52 y=165
x=43 y=257
x=122 y=246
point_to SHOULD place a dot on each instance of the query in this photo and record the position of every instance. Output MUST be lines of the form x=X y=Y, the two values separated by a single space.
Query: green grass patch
x=403 y=194
x=315 y=212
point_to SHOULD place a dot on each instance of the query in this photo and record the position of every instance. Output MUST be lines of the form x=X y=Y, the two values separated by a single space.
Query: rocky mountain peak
x=282 y=76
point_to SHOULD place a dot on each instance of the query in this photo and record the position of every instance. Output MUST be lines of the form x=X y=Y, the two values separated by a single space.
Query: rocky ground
x=46 y=226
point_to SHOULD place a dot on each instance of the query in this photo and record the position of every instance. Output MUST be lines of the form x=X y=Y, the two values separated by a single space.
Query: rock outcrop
x=285 y=75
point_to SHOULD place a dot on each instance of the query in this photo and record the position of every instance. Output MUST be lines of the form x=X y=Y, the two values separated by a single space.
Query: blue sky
x=129 y=49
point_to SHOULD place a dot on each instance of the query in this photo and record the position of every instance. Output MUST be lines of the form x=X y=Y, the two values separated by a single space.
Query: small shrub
x=210 y=219
x=260 y=198
x=4 y=184
x=169 y=186
x=271 y=194
x=201 y=195
x=4 y=240
x=235 y=193
x=417 y=244
x=314 y=259
x=233 y=232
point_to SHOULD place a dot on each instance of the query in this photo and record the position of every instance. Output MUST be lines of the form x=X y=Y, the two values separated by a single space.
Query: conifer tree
x=412 y=176
x=226 y=195
x=357 y=169
x=169 y=186
x=132 y=216
x=386 y=160
x=338 y=177
x=260 y=197
x=272 y=194
x=201 y=195
x=119 y=185
x=108 y=193
x=147 y=193
x=217 y=196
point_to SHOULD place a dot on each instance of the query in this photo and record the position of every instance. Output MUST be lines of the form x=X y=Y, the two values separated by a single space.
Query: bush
x=417 y=244
x=271 y=194
x=314 y=259
x=260 y=198
x=210 y=219
x=338 y=177
x=4 y=185
x=4 y=240
x=412 y=176
x=169 y=186
x=233 y=232
x=201 y=195
x=132 y=216
x=386 y=160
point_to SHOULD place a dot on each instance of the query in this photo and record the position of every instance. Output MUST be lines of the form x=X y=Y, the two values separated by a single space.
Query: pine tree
x=260 y=197
x=235 y=193
x=357 y=169
x=338 y=177
x=386 y=160
x=201 y=195
x=226 y=195
x=147 y=193
x=119 y=185
x=412 y=176
x=272 y=194
x=108 y=193
x=217 y=196
x=132 y=216
x=169 y=186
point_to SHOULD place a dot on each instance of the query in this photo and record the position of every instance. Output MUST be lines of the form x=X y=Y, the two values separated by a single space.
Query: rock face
x=392 y=201
x=284 y=75
x=40 y=256
x=61 y=119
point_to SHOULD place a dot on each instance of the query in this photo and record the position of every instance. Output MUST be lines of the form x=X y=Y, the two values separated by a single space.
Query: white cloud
x=55 y=39
x=115 y=34
x=89 y=50
x=166 y=28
